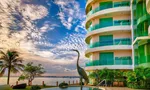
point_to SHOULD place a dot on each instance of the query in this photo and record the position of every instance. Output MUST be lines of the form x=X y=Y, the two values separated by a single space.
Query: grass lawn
x=28 y=87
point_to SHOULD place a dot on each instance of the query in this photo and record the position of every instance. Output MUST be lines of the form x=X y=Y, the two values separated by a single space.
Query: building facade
x=117 y=34
x=141 y=32
x=108 y=24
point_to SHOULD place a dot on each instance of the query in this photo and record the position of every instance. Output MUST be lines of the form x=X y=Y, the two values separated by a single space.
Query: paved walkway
x=117 y=88
x=122 y=88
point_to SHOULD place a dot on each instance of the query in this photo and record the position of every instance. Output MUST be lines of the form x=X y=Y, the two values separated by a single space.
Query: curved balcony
x=116 y=61
x=115 y=4
x=107 y=29
x=123 y=41
x=114 y=23
x=143 y=18
x=111 y=11
x=107 y=48
x=109 y=67
x=143 y=14
x=118 y=25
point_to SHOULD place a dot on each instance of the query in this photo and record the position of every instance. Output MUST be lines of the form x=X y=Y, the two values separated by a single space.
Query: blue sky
x=43 y=31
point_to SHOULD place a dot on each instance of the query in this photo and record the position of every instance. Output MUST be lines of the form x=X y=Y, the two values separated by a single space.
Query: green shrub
x=63 y=85
x=139 y=78
x=44 y=85
x=95 y=83
x=36 y=87
x=82 y=83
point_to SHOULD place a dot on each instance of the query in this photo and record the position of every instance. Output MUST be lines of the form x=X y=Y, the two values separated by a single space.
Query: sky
x=43 y=32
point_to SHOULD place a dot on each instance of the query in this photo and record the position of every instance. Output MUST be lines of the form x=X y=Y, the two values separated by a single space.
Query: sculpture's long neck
x=78 y=59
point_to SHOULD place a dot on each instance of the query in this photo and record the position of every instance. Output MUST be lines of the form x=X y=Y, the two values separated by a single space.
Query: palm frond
x=3 y=53
x=18 y=65
x=18 y=59
x=14 y=56
x=2 y=71
x=4 y=56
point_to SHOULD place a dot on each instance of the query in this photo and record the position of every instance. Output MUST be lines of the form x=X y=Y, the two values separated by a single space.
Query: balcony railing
x=114 y=23
x=115 y=4
x=123 y=41
x=116 y=61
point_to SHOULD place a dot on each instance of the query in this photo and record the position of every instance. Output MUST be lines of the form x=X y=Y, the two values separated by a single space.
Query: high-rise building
x=141 y=32
x=117 y=34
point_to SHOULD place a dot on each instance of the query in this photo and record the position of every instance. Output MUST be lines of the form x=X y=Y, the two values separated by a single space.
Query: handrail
x=102 y=81
x=113 y=23
x=121 y=41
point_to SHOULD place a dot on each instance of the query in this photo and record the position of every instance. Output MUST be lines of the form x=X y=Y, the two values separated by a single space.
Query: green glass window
x=106 y=40
x=107 y=58
x=104 y=22
x=147 y=50
x=142 y=54
x=106 y=5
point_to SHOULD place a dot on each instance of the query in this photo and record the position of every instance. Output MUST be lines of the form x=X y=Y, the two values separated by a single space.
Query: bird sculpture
x=81 y=71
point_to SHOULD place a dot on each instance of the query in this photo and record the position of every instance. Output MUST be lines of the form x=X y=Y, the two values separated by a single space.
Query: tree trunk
x=8 y=75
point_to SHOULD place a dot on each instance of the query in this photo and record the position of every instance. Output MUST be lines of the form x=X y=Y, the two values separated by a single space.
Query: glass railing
x=123 y=61
x=123 y=41
x=115 y=23
x=115 y=4
x=144 y=59
x=89 y=63
x=116 y=61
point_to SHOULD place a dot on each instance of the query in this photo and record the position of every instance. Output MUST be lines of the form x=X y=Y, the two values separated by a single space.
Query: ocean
x=39 y=80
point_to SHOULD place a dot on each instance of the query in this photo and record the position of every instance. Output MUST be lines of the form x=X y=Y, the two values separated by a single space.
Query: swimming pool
x=71 y=88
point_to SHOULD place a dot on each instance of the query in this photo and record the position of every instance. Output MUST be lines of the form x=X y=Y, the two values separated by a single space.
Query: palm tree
x=11 y=62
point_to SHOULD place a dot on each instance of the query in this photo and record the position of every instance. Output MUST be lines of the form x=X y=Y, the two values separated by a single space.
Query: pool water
x=72 y=88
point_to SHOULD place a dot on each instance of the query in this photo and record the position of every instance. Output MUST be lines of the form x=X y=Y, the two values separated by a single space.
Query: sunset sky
x=43 y=31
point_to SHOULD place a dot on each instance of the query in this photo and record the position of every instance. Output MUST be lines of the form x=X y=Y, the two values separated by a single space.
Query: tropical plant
x=95 y=76
x=99 y=75
x=31 y=71
x=106 y=74
x=118 y=75
x=139 y=78
x=11 y=62
x=35 y=87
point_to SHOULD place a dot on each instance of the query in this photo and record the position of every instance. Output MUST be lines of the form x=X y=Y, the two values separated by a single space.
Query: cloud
x=71 y=41
x=48 y=26
x=70 y=13
x=18 y=30
x=17 y=23
x=33 y=11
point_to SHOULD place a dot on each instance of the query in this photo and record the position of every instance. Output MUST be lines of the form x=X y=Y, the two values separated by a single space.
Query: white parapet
x=148 y=6
x=109 y=67
x=149 y=30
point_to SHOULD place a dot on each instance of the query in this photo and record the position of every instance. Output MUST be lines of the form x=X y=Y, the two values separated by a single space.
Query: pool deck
x=121 y=88
x=110 y=88
x=117 y=88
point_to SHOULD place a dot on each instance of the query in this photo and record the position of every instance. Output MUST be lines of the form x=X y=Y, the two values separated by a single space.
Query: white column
x=132 y=32
x=148 y=6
